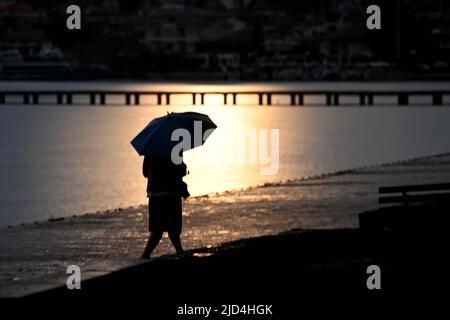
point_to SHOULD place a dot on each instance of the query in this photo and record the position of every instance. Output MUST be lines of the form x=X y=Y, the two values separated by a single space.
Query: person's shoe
x=181 y=253
x=145 y=256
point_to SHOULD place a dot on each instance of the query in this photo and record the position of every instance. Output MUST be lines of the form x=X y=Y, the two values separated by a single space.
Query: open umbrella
x=156 y=138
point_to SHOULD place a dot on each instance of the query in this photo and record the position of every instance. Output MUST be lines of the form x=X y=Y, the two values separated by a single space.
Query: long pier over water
x=296 y=98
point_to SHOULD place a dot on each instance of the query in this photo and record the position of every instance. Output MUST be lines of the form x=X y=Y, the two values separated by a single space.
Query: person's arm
x=145 y=166
x=180 y=170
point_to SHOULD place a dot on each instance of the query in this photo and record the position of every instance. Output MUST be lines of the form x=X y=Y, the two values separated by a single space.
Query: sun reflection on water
x=86 y=162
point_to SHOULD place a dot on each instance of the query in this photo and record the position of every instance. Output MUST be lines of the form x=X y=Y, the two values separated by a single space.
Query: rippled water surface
x=64 y=160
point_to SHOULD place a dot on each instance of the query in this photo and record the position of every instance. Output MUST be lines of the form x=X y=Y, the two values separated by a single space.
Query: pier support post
x=35 y=97
x=69 y=98
x=225 y=96
x=202 y=98
x=336 y=99
x=269 y=99
x=92 y=98
x=403 y=99
x=159 y=98
x=193 y=99
x=362 y=99
x=234 y=98
x=2 y=98
x=102 y=99
x=127 y=99
x=293 y=95
x=437 y=99
x=370 y=99
x=26 y=98
x=168 y=98
x=59 y=98
x=260 y=98
x=301 y=99
x=328 y=99
x=137 y=99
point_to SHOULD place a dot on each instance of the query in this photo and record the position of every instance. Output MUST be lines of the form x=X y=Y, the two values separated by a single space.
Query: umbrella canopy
x=156 y=138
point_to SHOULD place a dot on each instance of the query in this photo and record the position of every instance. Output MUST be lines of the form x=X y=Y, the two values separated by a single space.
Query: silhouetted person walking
x=165 y=188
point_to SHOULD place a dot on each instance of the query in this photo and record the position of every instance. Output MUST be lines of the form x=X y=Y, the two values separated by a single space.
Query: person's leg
x=176 y=241
x=152 y=242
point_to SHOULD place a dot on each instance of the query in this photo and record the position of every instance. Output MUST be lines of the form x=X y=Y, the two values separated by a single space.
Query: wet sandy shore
x=35 y=257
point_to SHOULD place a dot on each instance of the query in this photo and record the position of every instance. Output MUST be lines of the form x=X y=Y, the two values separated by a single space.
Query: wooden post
x=234 y=98
x=26 y=98
x=127 y=99
x=402 y=99
x=202 y=98
x=59 y=98
x=137 y=99
x=225 y=99
x=292 y=99
x=2 y=98
x=260 y=98
x=437 y=99
x=92 y=98
x=193 y=99
x=69 y=98
x=102 y=99
x=370 y=99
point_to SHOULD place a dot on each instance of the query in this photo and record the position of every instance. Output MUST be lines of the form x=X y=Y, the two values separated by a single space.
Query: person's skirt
x=165 y=213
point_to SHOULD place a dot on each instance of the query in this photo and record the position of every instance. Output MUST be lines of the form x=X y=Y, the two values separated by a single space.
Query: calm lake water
x=64 y=160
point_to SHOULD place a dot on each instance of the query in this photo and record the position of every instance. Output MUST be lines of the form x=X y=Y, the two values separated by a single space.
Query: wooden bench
x=413 y=206
x=413 y=195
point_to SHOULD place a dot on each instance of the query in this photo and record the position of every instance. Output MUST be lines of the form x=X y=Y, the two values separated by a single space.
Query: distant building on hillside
x=173 y=28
